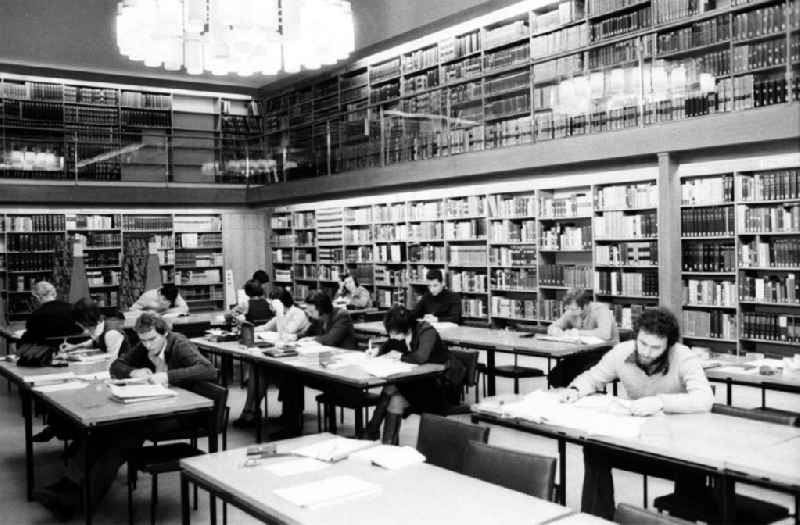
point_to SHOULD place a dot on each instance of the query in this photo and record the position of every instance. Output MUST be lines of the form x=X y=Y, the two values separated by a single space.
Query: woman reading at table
x=419 y=343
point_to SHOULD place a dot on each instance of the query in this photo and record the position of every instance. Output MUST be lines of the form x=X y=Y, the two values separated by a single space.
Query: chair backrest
x=442 y=441
x=216 y=393
x=521 y=471
x=468 y=358
x=630 y=515
x=758 y=415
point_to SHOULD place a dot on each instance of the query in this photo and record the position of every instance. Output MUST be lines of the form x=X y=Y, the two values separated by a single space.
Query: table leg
x=330 y=409
x=27 y=412
x=730 y=392
x=562 y=471
x=614 y=387
x=548 y=371
x=727 y=499
x=185 y=510
x=360 y=417
x=256 y=379
x=87 y=484
x=226 y=366
x=490 y=368
x=213 y=446
x=763 y=397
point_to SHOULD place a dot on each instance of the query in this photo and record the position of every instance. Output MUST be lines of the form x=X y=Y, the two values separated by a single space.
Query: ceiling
x=79 y=35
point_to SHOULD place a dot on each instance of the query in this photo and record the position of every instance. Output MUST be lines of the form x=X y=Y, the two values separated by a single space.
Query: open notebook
x=139 y=393
x=333 y=449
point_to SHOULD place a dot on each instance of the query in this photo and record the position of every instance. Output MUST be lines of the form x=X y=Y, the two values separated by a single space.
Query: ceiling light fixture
x=235 y=36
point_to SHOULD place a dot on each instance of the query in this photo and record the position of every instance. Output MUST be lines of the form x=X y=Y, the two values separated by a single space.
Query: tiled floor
x=15 y=510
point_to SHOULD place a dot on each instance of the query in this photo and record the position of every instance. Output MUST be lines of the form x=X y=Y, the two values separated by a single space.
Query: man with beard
x=659 y=374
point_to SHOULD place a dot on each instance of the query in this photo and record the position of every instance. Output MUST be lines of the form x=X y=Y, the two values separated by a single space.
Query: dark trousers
x=291 y=396
x=598 y=482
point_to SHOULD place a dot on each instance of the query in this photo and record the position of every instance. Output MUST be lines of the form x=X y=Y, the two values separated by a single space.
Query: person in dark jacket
x=418 y=343
x=161 y=356
x=52 y=319
x=329 y=326
x=438 y=305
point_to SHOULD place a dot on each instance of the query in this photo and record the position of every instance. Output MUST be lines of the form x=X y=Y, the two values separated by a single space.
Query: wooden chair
x=359 y=403
x=524 y=472
x=703 y=506
x=443 y=441
x=630 y=515
x=469 y=359
x=160 y=459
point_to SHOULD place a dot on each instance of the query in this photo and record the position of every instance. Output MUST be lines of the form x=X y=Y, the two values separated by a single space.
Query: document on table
x=56 y=387
x=334 y=449
x=44 y=379
x=337 y=489
x=137 y=393
x=390 y=457
x=293 y=467
x=384 y=367
x=581 y=339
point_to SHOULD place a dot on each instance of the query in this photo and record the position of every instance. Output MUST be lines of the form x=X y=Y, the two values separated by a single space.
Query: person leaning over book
x=163 y=357
x=438 y=304
x=289 y=321
x=165 y=301
x=351 y=295
x=660 y=375
x=242 y=298
x=419 y=343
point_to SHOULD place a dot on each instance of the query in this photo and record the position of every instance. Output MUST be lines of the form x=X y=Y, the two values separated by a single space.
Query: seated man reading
x=659 y=374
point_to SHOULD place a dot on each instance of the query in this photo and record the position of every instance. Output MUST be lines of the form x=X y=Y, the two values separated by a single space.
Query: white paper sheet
x=69 y=385
x=334 y=449
x=293 y=467
x=337 y=489
x=384 y=367
x=390 y=457
x=140 y=392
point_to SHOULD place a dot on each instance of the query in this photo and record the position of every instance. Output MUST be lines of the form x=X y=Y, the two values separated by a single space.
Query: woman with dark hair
x=166 y=300
x=242 y=297
x=258 y=309
x=105 y=332
x=351 y=295
x=418 y=343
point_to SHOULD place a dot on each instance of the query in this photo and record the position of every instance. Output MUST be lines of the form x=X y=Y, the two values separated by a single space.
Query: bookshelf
x=563 y=69
x=54 y=129
x=188 y=246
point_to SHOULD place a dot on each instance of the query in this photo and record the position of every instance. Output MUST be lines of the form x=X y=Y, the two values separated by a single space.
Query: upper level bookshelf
x=515 y=77
x=87 y=131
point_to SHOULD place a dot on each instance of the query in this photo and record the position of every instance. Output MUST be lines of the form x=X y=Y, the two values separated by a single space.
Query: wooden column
x=669 y=235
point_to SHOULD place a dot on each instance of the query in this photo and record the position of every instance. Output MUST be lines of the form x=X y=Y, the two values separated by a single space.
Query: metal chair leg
x=194 y=494
x=153 y=498
x=131 y=479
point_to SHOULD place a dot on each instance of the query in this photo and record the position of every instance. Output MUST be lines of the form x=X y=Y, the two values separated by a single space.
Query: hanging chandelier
x=235 y=36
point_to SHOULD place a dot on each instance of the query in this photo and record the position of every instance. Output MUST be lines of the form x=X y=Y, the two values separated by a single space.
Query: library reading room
x=323 y=262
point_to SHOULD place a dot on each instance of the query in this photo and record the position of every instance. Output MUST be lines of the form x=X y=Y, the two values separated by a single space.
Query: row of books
x=627 y=254
x=575 y=205
x=390 y=253
x=420 y=82
x=564 y=12
x=96 y=240
x=497 y=36
x=92 y=222
x=33 y=90
x=771 y=327
x=715 y=256
x=626 y=316
x=620 y=24
x=103 y=278
x=466 y=229
x=771 y=185
x=716 y=221
x=699 y=34
x=390 y=212
x=618 y=225
x=390 y=232
x=198 y=259
x=513 y=231
x=144 y=119
x=282 y=239
x=707 y=190
x=708 y=292
x=146 y=223
x=136 y=99
x=466 y=207
x=460 y=46
x=627 y=196
x=618 y=53
x=505 y=256
x=783 y=289
x=551 y=309
x=90 y=116
x=755 y=91
x=425 y=210
x=507 y=57
x=420 y=59
x=426 y=252
x=464 y=69
x=307 y=256
x=570 y=276
x=511 y=206
x=468 y=281
x=198 y=240
x=390 y=277
x=467 y=256
x=361 y=254
x=669 y=10
x=33 y=243
x=559 y=41
x=511 y=132
x=94 y=259
x=709 y=325
x=384 y=70
x=758 y=22
x=384 y=92
x=24 y=283
x=506 y=279
x=281 y=256
x=304 y=237
x=761 y=54
x=616 y=283
x=559 y=67
x=773 y=253
x=389 y=298
x=769 y=219
x=419 y=273
x=564 y=237
x=513 y=308
x=35 y=223
x=306 y=272
x=355 y=235
x=30 y=262
x=473 y=307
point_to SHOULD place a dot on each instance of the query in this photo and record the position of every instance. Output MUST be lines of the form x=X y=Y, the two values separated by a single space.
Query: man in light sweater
x=659 y=374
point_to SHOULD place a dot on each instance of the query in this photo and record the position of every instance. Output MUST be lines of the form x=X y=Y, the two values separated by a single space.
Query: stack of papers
x=595 y=415
x=581 y=339
x=45 y=379
x=337 y=489
x=334 y=449
x=390 y=457
x=138 y=393
x=385 y=367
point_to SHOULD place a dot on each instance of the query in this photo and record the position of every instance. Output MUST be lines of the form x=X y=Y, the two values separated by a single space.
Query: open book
x=334 y=449
x=138 y=393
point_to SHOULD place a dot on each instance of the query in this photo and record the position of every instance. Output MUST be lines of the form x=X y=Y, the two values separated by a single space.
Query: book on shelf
x=560 y=41
x=507 y=57
x=360 y=215
x=390 y=253
x=390 y=277
x=465 y=229
x=627 y=254
x=616 y=225
x=460 y=46
x=747 y=57
x=571 y=204
x=555 y=15
x=772 y=253
x=513 y=231
x=670 y=10
x=432 y=210
x=331 y=255
x=771 y=327
x=709 y=292
x=426 y=231
x=503 y=34
x=38 y=241
x=566 y=237
x=420 y=59
x=146 y=222
x=698 y=34
x=36 y=223
x=467 y=255
x=619 y=53
x=769 y=219
x=709 y=256
x=473 y=307
x=644 y=195
x=770 y=185
x=638 y=284
x=708 y=190
x=390 y=212
x=783 y=289
x=468 y=281
x=513 y=308
x=767 y=20
x=711 y=221
x=506 y=279
x=570 y=276
x=466 y=207
x=360 y=254
x=628 y=22
x=507 y=256
x=715 y=324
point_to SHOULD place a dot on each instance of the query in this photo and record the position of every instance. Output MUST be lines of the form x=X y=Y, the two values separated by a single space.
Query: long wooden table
x=728 y=448
x=91 y=409
x=312 y=374
x=784 y=381
x=493 y=341
x=419 y=494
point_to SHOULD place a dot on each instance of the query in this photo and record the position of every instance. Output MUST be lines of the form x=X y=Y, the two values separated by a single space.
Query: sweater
x=292 y=321
x=446 y=306
x=360 y=298
x=52 y=319
x=682 y=386
x=335 y=329
x=598 y=321
x=185 y=364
